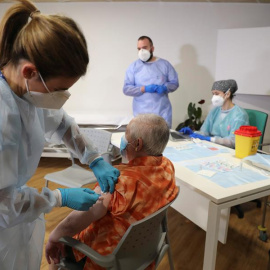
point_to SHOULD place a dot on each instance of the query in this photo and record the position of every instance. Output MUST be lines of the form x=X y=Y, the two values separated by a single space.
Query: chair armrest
x=104 y=261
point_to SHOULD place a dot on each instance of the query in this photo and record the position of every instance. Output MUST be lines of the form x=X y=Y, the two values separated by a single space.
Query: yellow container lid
x=248 y=131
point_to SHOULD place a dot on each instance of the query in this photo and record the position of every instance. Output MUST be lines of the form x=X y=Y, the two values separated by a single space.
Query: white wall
x=251 y=62
x=183 y=33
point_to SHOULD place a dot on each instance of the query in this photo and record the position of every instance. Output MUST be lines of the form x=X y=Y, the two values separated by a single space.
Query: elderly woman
x=145 y=184
x=224 y=118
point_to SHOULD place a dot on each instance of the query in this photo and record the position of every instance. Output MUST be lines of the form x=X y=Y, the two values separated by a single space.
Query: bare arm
x=74 y=223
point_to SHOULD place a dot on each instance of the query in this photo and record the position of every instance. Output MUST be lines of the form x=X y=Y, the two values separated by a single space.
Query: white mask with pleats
x=50 y=100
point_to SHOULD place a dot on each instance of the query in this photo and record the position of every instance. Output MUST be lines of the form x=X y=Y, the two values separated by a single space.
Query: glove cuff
x=63 y=196
x=58 y=197
x=93 y=163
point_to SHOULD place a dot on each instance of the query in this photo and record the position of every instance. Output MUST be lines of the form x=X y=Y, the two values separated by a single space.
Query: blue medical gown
x=223 y=129
x=23 y=132
x=159 y=72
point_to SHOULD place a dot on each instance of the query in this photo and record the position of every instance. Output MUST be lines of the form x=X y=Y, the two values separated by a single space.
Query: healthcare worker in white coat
x=41 y=57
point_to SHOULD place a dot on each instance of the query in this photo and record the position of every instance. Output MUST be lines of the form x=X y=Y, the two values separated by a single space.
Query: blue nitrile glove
x=105 y=173
x=161 y=89
x=78 y=198
x=151 y=88
x=199 y=136
x=186 y=130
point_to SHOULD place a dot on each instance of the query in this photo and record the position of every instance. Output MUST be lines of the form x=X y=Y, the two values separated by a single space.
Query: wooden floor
x=243 y=251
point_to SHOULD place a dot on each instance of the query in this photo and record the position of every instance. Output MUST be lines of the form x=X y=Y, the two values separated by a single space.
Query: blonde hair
x=53 y=43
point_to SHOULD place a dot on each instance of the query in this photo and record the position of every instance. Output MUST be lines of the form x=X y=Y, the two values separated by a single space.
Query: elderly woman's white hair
x=153 y=130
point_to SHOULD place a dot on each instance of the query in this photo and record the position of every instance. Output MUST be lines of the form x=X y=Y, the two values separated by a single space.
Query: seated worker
x=224 y=118
x=146 y=184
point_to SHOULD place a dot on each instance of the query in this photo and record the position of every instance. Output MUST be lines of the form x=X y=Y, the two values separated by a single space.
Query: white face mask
x=217 y=101
x=50 y=100
x=144 y=55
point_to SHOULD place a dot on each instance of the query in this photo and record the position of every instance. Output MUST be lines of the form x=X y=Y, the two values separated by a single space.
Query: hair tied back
x=33 y=13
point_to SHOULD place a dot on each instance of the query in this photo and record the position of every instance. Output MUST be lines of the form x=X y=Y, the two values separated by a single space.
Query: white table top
x=207 y=188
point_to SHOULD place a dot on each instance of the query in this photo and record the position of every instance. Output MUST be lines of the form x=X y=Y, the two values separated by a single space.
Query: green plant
x=194 y=121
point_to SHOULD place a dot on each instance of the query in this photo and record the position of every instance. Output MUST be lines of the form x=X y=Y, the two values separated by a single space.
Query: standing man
x=149 y=80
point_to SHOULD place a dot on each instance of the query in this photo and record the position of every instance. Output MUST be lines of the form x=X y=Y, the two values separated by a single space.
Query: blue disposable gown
x=159 y=72
x=23 y=131
x=222 y=130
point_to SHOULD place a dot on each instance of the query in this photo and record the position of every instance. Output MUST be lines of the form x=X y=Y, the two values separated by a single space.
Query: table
x=207 y=204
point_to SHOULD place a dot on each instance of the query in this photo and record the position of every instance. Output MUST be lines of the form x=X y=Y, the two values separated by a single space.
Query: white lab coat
x=23 y=132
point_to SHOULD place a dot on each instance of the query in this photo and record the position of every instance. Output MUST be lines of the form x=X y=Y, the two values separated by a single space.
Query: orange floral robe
x=145 y=185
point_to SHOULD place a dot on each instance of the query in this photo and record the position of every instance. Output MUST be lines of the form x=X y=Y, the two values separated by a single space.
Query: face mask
x=50 y=100
x=123 y=146
x=217 y=101
x=144 y=55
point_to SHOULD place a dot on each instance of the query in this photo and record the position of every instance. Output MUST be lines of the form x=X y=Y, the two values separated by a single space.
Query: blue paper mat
x=192 y=151
x=235 y=177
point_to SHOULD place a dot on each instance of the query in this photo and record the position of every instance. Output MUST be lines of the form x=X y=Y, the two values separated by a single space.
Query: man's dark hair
x=146 y=37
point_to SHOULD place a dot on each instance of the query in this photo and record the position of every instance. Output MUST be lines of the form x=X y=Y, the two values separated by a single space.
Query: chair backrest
x=101 y=138
x=258 y=119
x=143 y=240
x=102 y=141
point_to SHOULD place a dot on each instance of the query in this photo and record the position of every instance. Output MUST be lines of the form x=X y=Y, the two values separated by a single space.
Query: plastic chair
x=75 y=175
x=257 y=119
x=145 y=241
